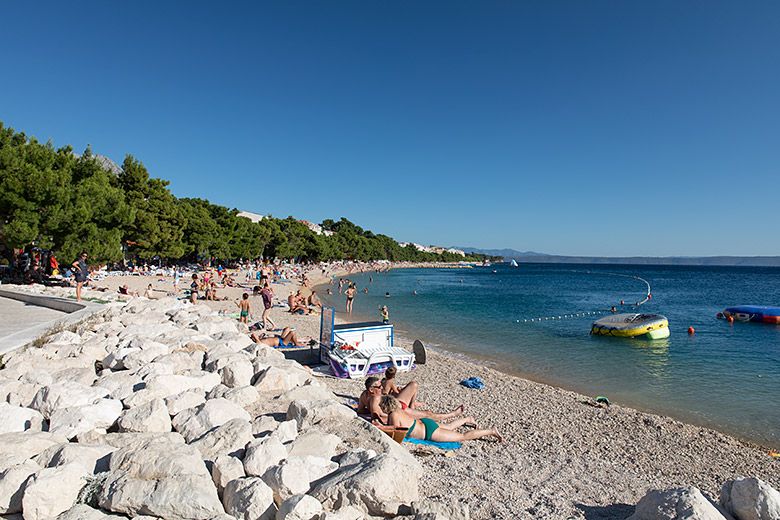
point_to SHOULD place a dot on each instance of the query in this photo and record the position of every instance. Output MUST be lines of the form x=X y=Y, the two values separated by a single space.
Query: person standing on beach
x=351 y=292
x=267 y=295
x=244 y=306
x=194 y=288
x=81 y=272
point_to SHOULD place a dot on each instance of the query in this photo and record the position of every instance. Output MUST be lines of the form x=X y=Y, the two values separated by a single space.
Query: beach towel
x=442 y=445
x=473 y=382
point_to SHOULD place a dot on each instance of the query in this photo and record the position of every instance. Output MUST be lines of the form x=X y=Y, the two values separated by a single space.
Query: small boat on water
x=513 y=263
x=632 y=325
x=754 y=313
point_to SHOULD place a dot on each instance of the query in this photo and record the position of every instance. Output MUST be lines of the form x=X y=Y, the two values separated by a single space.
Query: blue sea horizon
x=725 y=376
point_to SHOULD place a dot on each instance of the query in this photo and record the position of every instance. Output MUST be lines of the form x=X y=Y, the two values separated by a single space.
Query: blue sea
x=725 y=376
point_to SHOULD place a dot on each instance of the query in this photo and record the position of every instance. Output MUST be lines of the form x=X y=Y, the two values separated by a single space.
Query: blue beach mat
x=473 y=382
x=442 y=445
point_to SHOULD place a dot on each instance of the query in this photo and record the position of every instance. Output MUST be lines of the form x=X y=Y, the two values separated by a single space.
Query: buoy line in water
x=562 y=316
x=581 y=314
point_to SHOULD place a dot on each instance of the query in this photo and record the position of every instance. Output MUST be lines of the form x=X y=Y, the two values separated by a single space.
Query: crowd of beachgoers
x=528 y=450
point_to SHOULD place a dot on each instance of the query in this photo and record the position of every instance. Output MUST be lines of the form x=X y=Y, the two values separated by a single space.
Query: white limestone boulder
x=150 y=417
x=65 y=395
x=80 y=419
x=94 y=457
x=249 y=498
x=146 y=331
x=684 y=503
x=356 y=456
x=183 y=360
x=183 y=400
x=13 y=481
x=51 y=491
x=148 y=350
x=295 y=475
x=344 y=513
x=195 y=422
x=28 y=444
x=129 y=439
x=310 y=392
x=264 y=425
x=85 y=376
x=167 y=480
x=315 y=442
x=244 y=396
x=237 y=373
x=299 y=507
x=261 y=454
x=263 y=354
x=84 y=512
x=280 y=380
x=378 y=486
x=229 y=438
x=750 y=499
x=119 y=385
x=286 y=431
x=215 y=327
x=226 y=468
x=19 y=419
x=308 y=413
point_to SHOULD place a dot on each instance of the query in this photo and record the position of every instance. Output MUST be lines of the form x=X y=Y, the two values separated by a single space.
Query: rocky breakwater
x=162 y=409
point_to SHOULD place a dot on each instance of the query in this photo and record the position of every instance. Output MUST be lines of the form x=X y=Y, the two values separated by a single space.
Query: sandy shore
x=561 y=457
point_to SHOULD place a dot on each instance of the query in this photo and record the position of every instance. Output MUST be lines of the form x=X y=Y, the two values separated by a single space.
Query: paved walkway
x=16 y=316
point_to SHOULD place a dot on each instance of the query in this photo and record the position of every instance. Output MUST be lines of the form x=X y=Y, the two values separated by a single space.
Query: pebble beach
x=563 y=456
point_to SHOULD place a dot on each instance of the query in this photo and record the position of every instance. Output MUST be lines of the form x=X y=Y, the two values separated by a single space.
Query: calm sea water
x=726 y=376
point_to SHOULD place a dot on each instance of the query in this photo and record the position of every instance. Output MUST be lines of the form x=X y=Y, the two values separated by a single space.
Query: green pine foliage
x=55 y=200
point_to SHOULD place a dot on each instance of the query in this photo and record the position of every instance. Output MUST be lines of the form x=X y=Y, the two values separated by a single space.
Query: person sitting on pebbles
x=368 y=403
x=428 y=429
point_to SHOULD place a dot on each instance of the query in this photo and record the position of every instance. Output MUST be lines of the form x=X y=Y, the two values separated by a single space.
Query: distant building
x=317 y=228
x=432 y=249
x=254 y=217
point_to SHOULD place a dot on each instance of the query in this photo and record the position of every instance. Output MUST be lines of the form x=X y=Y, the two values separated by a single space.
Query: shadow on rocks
x=611 y=512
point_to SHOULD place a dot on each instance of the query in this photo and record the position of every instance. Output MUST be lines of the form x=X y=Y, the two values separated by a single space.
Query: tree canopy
x=55 y=199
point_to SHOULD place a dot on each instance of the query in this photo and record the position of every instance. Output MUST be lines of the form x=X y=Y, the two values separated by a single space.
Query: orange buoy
x=730 y=319
x=690 y=330
x=649 y=296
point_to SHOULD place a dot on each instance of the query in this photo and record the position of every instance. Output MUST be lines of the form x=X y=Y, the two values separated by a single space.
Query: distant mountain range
x=532 y=257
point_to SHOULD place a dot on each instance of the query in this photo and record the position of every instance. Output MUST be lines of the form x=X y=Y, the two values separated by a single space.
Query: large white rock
x=12 y=483
x=261 y=454
x=51 y=491
x=229 y=438
x=237 y=373
x=183 y=400
x=80 y=419
x=750 y=499
x=309 y=392
x=356 y=456
x=147 y=331
x=307 y=413
x=195 y=422
x=295 y=475
x=299 y=507
x=280 y=380
x=183 y=360
x=344 y=513
x=244 y=396
x=85 y=376
x=315 y=442
x=226 y=468
x=119 y=385
x=249 y=498
x=27 y=444
x=66 y=395
x=379 y=486
x=19 y=419
x=148 y=350
x=150 y=417
x=84 y=512
x=94 y=457
x=685 y=503
x=168 y=480
x=129 y=440
x=215 y=327
x=263 y=354
x=286 y=431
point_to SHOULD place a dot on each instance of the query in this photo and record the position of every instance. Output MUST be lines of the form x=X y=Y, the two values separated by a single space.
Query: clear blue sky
x=604 y=128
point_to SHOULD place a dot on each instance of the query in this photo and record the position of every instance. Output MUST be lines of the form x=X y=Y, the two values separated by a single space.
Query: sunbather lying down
x=428 y=429
x=287 y=338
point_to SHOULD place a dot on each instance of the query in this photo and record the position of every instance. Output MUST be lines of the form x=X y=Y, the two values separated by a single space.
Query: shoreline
x=561 y=458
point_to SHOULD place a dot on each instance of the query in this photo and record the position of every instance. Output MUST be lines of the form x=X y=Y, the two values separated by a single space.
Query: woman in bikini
x=287 y=338
x=427 y=429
